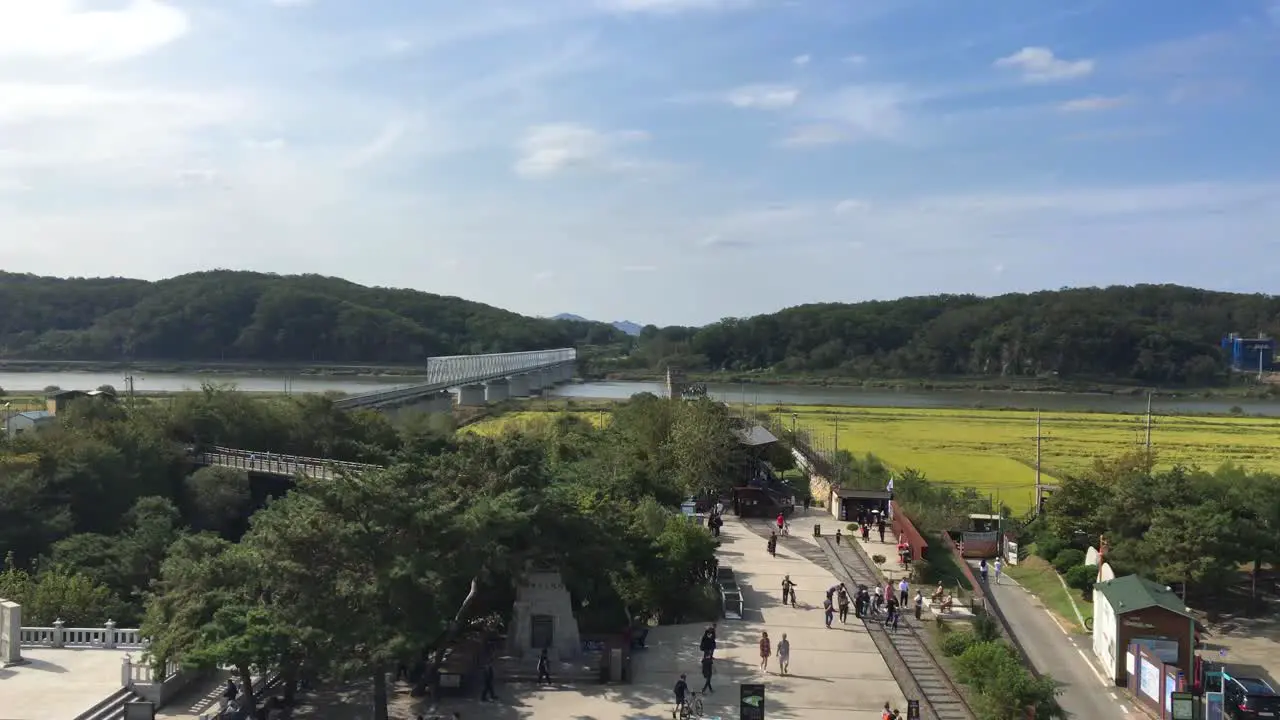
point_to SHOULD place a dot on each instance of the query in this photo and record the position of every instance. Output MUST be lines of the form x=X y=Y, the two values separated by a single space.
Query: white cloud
x=851 y=114
x=1096 y=102
x=290 y=3
x=639 y=268
x=552 y=149
x=845 y=207
x=801 y=60
x=763 y=97
x=856 y=59
x=1040 y=65
x=61 y=30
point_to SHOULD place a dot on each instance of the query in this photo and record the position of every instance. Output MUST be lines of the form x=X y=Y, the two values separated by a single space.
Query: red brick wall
x=904 y=530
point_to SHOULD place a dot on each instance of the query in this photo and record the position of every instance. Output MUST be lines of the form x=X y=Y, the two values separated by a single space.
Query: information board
x=751 y=702
x=913 y=710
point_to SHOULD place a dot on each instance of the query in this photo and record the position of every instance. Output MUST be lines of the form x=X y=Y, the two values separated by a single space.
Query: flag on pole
x=889 y=487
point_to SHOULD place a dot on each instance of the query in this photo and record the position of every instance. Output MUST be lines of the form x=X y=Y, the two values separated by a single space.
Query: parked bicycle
x=691 y=709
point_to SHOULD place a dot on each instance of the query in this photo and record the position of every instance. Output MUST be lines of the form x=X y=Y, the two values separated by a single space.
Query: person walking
x=982 y=568
x=843 y=600
x=681 y=691
x=708 y=643
x=828 y=613
x=904 y=592
x=707 y=671
x=999 y=566
x=544 y=668
x=837 y=536
x=488 y=693
x=919 y=603
x=764 y=651
x=788 y=591
x=784 y=654
x=880 y=527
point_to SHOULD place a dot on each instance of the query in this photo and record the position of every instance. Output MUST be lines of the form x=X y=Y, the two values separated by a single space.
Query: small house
x=58 y=401
x=29 y=421
x=1133 y=609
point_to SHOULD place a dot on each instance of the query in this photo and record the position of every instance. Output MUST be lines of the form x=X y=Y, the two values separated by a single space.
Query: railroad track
x=907 y=655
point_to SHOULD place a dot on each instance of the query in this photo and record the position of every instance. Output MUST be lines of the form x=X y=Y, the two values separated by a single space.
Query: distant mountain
x=625 y=326
x=245 y=316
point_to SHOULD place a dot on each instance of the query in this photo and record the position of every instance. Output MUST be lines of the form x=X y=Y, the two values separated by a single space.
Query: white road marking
x=1094 y=668
x=1124 y=709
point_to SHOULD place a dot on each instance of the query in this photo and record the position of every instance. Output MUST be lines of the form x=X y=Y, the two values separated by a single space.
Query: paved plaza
x=836 y=673
x=58 y=684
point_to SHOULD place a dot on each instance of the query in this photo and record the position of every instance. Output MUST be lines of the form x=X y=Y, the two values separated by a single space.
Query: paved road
x=1066 y=657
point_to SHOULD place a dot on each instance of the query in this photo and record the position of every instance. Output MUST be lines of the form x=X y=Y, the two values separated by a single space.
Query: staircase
x=112 y=708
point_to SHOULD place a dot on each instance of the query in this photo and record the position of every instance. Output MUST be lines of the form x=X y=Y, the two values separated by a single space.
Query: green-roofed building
x=1133 y=609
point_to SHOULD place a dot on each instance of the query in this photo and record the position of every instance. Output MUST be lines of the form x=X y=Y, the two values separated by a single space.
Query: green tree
x=58 y=594
x=219 y=498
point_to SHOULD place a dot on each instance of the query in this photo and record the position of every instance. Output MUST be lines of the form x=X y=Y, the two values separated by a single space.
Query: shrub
x=1081 y=577
x=985 y=627
x=878 y=559
x=1067 y=559
x=955 y=643
x=1048 y=546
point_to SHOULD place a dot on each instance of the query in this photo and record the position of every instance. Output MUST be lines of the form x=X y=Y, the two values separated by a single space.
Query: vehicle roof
x=1254 y=685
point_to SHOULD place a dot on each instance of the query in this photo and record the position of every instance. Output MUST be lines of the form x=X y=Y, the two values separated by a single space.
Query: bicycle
x=692 y=708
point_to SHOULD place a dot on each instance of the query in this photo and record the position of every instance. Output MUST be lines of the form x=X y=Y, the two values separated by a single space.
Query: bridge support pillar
x=497 y=390
x=441 y=402
x=518 y=386
x=535 y=380
x=566 y=371
x=470 y=395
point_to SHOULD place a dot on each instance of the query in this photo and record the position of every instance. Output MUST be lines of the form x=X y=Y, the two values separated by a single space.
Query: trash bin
x=817 y=530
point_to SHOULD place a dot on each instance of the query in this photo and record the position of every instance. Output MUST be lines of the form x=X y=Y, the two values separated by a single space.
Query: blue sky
x=668 y=161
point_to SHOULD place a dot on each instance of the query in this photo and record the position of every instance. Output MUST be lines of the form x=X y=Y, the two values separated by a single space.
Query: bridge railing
x=280 y=464
x=455 y=370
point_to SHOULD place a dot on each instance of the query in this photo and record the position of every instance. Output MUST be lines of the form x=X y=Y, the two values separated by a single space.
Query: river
x=35 y=382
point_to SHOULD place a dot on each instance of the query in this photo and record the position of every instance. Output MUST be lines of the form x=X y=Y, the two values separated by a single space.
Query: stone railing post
x=58 y=639
x=126 y=672
x=109 y=640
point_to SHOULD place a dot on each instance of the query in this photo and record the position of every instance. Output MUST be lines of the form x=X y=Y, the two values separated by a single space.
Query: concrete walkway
x=837 y=673
x=58 y=684
x=1055 y=652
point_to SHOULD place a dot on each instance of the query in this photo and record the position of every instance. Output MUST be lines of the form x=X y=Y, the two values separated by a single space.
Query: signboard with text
x=913 y=710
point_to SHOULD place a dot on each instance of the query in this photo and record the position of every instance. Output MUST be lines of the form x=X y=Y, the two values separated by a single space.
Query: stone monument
x=10 y=633
x=543 y=618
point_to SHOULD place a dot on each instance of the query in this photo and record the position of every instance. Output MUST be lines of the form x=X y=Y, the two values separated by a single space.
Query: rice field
x=995 y=450
x=530 y=420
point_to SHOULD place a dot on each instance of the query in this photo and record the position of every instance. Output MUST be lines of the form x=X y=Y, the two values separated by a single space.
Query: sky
x=661 y=161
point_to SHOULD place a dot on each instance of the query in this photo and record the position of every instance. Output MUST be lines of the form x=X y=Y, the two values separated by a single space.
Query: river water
x=34 y=382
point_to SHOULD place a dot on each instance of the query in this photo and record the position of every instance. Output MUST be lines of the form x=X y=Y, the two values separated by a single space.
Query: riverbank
x=962 y=384
x=207 y=367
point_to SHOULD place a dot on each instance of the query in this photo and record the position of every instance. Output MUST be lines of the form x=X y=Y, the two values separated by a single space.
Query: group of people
x=866 y=603
x=707 y=645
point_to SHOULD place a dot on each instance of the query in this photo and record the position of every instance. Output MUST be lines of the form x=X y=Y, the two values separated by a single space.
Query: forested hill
x=243 y=316
x=1162 y=334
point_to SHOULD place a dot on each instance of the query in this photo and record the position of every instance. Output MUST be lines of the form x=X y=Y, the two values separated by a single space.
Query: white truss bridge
x=523 y=372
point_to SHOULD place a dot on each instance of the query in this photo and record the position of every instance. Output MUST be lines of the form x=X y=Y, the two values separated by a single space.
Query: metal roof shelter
x=1132 y=592
x=755 y=436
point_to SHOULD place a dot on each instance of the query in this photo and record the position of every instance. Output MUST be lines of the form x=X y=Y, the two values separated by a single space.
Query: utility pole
x=1039 y=489
x=1148 y=427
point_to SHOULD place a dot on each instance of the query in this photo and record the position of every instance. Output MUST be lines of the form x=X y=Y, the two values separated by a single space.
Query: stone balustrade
x=108 y=637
